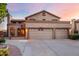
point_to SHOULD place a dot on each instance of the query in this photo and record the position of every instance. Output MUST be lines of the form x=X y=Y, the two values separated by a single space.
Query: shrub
x=2 y=40
x=76 y=32
x=74 y=36
x=4 y=52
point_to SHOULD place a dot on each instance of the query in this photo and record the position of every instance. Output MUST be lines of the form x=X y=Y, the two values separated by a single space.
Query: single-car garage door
x=40 y=33
x=61 y=33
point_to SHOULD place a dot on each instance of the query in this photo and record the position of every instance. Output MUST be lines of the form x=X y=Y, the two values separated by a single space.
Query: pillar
x=15 y=32
x=8 y=31
x=54 y=33
x=68 y=32
x=27 y=33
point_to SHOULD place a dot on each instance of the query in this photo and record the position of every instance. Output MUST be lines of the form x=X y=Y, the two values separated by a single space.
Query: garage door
x=61 y=33
x=40 y=33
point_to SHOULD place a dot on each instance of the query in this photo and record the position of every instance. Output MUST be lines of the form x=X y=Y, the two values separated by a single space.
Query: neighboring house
x=75 y=26
x=3 y=33
x=41 y=25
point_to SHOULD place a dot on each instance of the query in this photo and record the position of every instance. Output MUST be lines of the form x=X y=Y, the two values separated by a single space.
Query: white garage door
x=61 y=34
x=40 y=33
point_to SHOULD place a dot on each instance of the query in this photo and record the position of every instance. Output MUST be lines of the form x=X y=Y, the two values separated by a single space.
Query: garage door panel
x=37 y=34
x=61 y=34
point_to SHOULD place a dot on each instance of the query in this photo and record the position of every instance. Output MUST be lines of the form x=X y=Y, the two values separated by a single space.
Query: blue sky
x=66 y=11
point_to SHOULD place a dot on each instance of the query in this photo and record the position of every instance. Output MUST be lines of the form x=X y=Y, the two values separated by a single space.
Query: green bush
x=74 y=36
x=2 y=40
x=4 y=51
x=76 y=32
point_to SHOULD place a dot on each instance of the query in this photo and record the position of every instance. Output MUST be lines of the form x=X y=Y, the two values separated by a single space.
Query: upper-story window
x=44 y=19
x=40 y=29
x=32 y=19
x=43 y=14
x=13 y=22
x=12 y=31
x=54 y=20
x=19 y=22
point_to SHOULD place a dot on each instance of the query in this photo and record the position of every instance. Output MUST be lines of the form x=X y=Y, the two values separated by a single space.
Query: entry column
x=16 y=32
x=27 y=33
x=54 y=33
x=68 y=32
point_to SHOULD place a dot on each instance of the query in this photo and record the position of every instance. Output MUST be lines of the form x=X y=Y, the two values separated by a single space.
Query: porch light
x=26 y=30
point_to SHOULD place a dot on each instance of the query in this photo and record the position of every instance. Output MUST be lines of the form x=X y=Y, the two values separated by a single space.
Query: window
x=44 y=19
x=13 y=22
x=12 y=31
x=32 y=19
x=43 y=14
x=22 y=26
x=19 y=22
x=40 y=29
x=54 y=20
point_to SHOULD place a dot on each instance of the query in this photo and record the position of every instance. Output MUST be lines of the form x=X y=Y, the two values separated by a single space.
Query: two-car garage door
x=48 y=34
x=40 y=33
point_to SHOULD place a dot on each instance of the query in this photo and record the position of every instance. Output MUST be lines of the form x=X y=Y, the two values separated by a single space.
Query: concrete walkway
x=57 y=47
x=14 y=51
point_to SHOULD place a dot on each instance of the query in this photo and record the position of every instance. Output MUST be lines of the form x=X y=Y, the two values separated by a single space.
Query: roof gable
x=42 y=12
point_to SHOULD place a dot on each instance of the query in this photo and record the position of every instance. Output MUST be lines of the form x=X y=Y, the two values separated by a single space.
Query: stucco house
x=40 y=25
x=75 y=25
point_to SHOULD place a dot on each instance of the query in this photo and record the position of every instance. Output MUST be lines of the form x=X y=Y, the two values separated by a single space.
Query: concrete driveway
x=59 y=47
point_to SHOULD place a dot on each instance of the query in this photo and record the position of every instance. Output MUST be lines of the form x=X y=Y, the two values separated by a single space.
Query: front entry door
x=21 y=32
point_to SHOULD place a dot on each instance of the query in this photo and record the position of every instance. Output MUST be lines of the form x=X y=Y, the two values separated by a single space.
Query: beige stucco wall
x=39 y=16
x=48 y=25
x=61 y=25
x=77 y=26
x=15 y=26
x=12 y=26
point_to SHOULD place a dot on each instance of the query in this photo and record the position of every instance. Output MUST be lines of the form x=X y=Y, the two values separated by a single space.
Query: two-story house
x=41 y=25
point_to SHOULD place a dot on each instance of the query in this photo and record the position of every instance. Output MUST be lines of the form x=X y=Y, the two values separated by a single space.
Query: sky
x=66 y=11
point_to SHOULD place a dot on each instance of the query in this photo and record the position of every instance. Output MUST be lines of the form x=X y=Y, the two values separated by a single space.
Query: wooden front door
x=21 y=32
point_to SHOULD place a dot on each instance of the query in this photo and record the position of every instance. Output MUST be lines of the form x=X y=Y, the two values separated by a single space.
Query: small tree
x=3 y=11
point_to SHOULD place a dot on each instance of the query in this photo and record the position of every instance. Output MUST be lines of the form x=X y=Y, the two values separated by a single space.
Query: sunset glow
x=66 y=11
